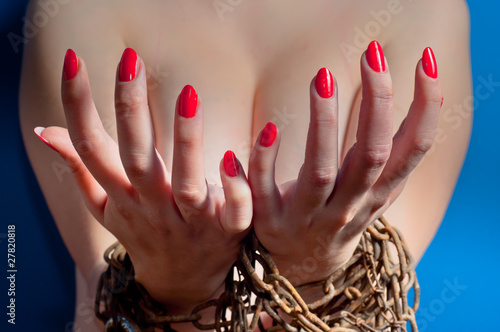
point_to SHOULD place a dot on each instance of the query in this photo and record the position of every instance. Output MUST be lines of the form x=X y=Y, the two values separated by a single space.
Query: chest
x=244 y=58
x=250 y=64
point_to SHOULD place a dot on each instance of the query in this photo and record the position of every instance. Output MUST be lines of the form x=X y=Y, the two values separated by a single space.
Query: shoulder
x=51 y=27
x=56 y=25
x=432 y=19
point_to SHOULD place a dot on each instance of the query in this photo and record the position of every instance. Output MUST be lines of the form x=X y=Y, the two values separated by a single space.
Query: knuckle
x=240 y=218
x=129 y=100
x=346 y=216
x=421 y=146
x=72 y=97
x=326 y=119
x=380 y=203
x=74 y=164
x=85 y=147
x=258 y=167
x=393 y=176
x=239 y=200
x=188 y=195
x=139 y=168
x=187 y=141
x=262 y=192
x=383 y=94
x=375 y=159
x=124 y=210
x=323 y=177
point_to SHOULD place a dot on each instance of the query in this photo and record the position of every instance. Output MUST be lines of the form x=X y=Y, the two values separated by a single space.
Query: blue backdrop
x=459 y=273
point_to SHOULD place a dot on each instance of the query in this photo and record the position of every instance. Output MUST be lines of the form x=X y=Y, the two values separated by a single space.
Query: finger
x=261 y=175
x=94 y=196
x=317 y=177
x=365 y=161
x=416 y=134
x=135 y=132
x=95 y=147
x=237 y=213
x=188 y=170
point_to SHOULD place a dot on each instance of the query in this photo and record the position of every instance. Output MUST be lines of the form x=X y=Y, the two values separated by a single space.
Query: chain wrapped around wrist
x=368 y=293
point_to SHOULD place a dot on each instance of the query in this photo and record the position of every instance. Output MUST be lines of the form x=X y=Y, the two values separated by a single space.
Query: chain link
x=368 y=293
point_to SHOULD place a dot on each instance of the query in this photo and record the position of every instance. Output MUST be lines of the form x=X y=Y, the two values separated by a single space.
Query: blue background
x=459 y=273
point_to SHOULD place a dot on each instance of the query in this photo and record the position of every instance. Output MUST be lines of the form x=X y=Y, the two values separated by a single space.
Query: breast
x=244 y=81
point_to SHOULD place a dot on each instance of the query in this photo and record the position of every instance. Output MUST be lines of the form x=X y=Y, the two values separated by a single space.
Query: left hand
x=312 y=225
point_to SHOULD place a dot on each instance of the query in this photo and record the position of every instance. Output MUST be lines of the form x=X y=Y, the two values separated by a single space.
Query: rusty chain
x=368 y=293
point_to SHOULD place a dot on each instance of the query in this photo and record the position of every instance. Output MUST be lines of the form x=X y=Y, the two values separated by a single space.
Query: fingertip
x=375 y=58
x=128 y=65
x=238 y=208
x=38 y=132
x=75 y=83
x=70 y=68
x=261 y=172
x=427 y=83
x=324 y=83
x=429 y=63
x=188 y=102
x=231 y=164
x=268 y=135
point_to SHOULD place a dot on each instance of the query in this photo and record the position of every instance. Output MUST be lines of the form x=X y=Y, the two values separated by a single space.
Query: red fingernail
x=188 y=102
x=230 y=164
x=442 y=101
x=70 y=65
x=324 y=83
x=128 y=65
x=38 y=132
x=268 y=135
x=429 y=63
x=375 y=56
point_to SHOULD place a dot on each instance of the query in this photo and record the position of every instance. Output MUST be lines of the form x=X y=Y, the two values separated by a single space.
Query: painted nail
x=442 y=101
x=375 y=56
x=230 y=164
x=188 y=102
x=429 y=63
x=324 y=83
x=268 y=135
x=128 y=65
x=38 y=132
x=70 y=65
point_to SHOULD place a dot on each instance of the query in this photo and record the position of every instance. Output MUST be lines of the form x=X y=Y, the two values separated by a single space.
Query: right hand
x=182 y=235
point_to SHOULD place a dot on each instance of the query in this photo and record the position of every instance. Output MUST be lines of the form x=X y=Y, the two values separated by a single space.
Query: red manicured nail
x=128 y=65
x=324 y=83
x=268 y=135
x=38 y=132
x=230 y=164
x=375 y=56
x=429 y=63
x=70 y=65
x=188 y=102
x=442 y=101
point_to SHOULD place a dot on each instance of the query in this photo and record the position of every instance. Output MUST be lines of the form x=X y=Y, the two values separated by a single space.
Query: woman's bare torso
x=251 y=62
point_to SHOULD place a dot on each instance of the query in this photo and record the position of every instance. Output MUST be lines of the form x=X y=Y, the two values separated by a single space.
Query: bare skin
x=246 y=75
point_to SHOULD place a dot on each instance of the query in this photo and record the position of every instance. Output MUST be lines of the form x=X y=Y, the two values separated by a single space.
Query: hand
x=182 y=235
x=312 y=225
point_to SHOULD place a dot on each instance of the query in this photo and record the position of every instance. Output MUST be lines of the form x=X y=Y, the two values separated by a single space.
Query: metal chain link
x=368 y=293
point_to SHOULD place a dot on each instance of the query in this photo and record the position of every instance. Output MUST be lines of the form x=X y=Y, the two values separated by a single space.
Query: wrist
x=178 y=298
x=319 y=265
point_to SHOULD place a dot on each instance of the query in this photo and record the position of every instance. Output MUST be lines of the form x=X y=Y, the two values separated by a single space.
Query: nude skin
x=246 y=75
